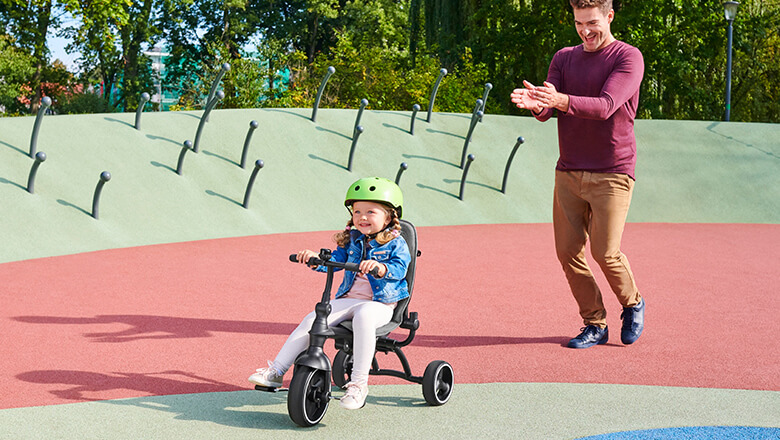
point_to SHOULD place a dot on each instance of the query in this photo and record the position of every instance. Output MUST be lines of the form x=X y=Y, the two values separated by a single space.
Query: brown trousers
x=593 y=205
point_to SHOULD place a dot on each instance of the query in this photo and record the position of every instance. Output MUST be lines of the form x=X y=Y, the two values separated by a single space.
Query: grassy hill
x=687 y=172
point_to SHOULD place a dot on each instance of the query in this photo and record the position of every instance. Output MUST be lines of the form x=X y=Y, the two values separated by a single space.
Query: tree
x=29 y=21
x=110 y=37
x=16 y=67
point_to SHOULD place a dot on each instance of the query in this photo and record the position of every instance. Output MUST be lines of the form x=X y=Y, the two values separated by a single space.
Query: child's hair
x=390 y=232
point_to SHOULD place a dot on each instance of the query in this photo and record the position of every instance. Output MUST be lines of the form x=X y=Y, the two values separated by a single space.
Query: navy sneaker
x=633 y=322
x=591 y=335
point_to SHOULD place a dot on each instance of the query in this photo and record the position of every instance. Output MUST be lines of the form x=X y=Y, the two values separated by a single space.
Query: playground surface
x=147 y=322
x=157 y=341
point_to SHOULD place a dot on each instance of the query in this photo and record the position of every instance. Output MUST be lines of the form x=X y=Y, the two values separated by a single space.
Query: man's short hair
x=603 y=5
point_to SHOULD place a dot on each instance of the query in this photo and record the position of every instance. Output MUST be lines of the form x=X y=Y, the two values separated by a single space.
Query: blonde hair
x=392 y=230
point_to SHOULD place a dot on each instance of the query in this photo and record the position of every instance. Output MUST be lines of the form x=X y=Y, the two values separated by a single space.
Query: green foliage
x=390 y=51
x=16 y=66
x=81 y=103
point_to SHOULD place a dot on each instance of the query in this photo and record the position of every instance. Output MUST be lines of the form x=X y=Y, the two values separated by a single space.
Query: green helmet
x=375 y=189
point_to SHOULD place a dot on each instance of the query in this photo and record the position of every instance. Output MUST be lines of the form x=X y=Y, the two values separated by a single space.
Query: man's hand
x=548 y=97
x=524 y=98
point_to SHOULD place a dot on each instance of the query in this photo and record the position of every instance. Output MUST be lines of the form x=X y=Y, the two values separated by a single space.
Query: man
x=594 y=88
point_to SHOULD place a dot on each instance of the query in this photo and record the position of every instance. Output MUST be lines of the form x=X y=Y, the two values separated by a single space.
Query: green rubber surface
x=495 y=410
x=687 y=172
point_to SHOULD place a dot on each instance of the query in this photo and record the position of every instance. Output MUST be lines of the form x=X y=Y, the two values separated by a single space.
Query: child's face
x=369 y=217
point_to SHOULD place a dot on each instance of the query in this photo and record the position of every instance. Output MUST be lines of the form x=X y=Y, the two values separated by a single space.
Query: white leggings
x=366 y=316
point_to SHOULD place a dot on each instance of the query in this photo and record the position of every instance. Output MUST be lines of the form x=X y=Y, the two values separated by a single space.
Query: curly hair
x=390 y=232
x=603 y=5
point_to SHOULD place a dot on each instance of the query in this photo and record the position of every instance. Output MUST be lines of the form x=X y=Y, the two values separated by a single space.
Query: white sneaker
x=355 y=397
x=267 y=377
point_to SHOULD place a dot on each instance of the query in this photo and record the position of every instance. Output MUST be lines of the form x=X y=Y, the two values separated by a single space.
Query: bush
x=81 y=103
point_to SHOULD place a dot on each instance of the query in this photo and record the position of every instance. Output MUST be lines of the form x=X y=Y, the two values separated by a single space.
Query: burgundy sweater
x=597 y=133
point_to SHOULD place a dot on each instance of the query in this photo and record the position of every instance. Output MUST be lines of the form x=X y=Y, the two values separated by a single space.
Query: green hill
x=687 y=172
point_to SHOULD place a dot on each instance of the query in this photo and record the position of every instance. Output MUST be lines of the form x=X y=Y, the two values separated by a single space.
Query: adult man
x=594 y=87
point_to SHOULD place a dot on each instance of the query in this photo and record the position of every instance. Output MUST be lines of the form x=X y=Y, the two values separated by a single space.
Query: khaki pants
x=593 y=205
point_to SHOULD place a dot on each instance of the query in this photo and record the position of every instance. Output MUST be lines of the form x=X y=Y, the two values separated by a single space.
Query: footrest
x=270 y=389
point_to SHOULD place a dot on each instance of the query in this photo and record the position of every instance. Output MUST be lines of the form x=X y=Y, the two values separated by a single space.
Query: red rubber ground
x=201 y=316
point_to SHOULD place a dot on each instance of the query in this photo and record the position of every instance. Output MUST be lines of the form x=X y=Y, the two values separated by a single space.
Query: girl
x=372 y=238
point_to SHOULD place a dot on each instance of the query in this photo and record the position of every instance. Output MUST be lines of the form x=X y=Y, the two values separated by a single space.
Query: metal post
x=474 y=119
x=186 y=146
x=488 y=87
x=728 y=70
x=258 y=164
x=415 y=109
x=363 y=104
x=331 y=71
x=519 y=142
x=463 y=176
x=358 y=132
x=205 y=117
x=442 y=73
x=404 y=166
x=252 y=127
x=105 y=176
x=40 y=157
x=144 y=99
x=212 y=91
x=45 y=104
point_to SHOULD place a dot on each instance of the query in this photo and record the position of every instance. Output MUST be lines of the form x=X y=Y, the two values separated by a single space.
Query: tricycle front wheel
x=309 y=395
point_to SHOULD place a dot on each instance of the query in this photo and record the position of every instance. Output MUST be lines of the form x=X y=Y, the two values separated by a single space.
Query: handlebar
x=354 y=267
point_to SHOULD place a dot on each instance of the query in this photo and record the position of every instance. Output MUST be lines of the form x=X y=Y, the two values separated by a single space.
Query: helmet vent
x=373 y=188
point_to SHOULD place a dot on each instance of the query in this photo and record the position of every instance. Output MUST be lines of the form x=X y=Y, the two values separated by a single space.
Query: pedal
x=270 y=389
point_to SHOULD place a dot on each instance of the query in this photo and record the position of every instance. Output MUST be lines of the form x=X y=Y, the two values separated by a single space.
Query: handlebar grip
x=354 y=267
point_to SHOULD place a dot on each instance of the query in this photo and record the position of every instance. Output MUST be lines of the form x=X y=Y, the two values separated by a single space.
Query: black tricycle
x=310 y=388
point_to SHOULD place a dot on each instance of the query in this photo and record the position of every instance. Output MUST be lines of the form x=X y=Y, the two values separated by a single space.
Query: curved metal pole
x=435 y=89
x=358 y=132
x=40 y=157
x=105 y=176
x=212 y=91
x=331 y=71
x=442 y=73
x=474 y=119
x=258 y=165
x=203 y=119
x=252 y=127
x=186 y=146
x=488 y=87
x=404 y=166
x=144 y=99
x=463 y=176
x=519 y=142
x=45 y=104
x=415 y=109
x=363 y=104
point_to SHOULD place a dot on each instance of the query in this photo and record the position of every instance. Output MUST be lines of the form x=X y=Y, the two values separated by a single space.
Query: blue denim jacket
x=394 y=255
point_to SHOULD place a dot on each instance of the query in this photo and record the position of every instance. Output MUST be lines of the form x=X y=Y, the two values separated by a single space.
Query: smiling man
x=594 y=89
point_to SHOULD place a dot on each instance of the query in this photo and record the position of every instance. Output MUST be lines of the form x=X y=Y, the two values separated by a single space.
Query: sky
x=57 y=48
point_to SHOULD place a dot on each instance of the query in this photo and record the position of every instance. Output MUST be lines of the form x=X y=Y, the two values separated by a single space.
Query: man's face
x=593 y=27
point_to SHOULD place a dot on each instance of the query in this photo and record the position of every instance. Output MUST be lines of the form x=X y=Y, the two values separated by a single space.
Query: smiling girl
x=372 y=239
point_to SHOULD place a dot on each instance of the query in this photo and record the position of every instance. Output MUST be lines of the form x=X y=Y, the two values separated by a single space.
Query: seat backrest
x=409 y=233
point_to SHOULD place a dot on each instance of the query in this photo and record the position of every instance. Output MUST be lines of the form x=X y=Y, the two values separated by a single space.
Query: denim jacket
x=394 y=255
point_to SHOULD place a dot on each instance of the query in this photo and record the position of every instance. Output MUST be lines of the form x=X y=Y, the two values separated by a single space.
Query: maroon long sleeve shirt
x=597 y=133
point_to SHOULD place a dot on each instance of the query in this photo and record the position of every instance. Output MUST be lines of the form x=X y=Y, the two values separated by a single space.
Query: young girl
x=372 y=238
